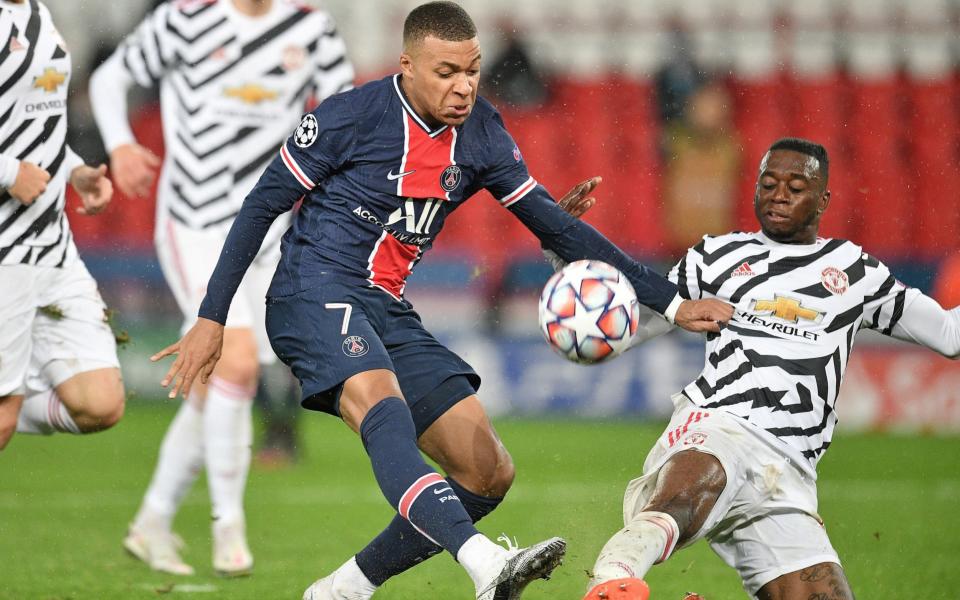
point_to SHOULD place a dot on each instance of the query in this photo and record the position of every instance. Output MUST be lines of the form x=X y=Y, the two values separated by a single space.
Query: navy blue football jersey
x=378 y=183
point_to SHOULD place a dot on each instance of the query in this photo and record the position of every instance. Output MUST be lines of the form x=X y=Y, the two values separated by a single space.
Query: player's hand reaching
x=197 y=354
x=134 y=169
x=578 y=200
x=94 y=188
x=708 y=315
x=30 y=183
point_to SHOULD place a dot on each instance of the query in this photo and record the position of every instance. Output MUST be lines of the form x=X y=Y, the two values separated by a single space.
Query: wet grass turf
x=890 y=504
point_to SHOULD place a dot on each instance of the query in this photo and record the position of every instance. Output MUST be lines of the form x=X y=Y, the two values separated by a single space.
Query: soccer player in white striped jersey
x=737 y=463
x=58 y=357
x=235 y=76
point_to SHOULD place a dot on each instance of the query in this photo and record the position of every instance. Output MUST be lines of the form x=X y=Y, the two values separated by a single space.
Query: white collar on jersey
x=413 y=114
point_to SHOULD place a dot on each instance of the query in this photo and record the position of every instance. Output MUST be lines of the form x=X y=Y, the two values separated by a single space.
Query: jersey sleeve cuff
x=671 y=313
x=9 y=167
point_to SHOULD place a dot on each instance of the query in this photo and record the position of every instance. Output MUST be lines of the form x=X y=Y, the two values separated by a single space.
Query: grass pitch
x=890 y=504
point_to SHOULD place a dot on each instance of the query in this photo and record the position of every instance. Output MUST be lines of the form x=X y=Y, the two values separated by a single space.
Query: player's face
x=790 y=197
x=441 y=79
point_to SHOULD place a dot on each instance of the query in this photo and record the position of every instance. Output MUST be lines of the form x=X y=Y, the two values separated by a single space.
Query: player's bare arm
x=134 y=169
x=197 y=354
x=30 y=183
x=93 y=187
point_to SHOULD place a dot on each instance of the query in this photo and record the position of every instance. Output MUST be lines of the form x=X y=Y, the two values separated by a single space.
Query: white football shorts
x=765 y=523
x=188 y=256
x=52 y=326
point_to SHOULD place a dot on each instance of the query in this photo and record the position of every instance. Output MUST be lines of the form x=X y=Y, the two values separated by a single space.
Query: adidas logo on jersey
x=743 y=270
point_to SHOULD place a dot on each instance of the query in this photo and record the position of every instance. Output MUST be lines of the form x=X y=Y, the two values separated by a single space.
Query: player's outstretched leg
x=425 y=499
x=687 y=488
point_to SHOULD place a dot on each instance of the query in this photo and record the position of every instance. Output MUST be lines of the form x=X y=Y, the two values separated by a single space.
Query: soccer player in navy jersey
x=380 y=169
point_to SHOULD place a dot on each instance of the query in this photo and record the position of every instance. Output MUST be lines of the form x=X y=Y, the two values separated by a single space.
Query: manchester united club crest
x=835 y=280
x=355 y=346
x=450 y=178
x=294 y=57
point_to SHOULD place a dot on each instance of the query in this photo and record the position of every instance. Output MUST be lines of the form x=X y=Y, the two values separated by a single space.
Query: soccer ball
x=588 y=312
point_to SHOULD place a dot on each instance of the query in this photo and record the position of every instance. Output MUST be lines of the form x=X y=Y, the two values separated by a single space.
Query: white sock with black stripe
x=649 y=539
x=43 y=413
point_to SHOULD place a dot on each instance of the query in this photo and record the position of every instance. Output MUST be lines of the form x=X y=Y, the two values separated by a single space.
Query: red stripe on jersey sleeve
x=295 y=169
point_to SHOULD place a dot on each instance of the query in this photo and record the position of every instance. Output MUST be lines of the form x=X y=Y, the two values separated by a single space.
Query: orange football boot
x=628 y=588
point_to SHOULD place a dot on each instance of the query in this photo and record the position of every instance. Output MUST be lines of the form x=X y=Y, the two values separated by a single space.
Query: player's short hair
x=806 y=147
x=443 y=20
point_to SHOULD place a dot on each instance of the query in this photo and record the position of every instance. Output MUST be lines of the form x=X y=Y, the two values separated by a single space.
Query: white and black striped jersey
x=232 y=87
x=779 y=362
x=34 y=75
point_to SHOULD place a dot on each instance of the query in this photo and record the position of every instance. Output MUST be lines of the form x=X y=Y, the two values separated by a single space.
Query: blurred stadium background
x=673 y=102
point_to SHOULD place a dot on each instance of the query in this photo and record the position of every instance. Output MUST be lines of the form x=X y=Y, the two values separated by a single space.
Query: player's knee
x=102 y=409
x=688 y=487
x=95 y=400
x=501 y=479
x=241 y=369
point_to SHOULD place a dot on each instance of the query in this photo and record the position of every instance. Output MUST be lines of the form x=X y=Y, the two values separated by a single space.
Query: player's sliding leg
x=371 y=403
x=150 y=537
x=687 y=488
x=480 y=474
x=228 y=436
x=823 y=580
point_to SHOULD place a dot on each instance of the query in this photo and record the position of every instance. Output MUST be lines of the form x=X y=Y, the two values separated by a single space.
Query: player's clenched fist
x=709 y=314
x=134 y=169
x=30 y=183
x=94 y=188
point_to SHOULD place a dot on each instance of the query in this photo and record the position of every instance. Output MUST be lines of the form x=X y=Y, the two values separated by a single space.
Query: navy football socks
x=400 y=547
x=420 y=495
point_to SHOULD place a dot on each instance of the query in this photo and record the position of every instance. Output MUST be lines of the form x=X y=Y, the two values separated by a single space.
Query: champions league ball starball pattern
x=588 y=312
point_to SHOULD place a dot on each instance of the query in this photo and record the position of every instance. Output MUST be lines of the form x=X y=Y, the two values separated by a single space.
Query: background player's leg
x=228 y=435
x=150 y=537
x=479 y=469
x=278 y=397
x=95 y=399
x=688 y=486
x=9 y=410
x=824 y=580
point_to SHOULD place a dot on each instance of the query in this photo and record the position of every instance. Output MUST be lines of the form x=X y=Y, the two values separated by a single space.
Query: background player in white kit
x=58 y=356
x=235 y=77
x=737 y=463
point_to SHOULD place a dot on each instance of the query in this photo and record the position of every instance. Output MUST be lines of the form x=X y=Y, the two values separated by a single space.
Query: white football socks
x=482 y=559
x=178 y=465
x=228 y=436
x=649 y=539
x=43 y=413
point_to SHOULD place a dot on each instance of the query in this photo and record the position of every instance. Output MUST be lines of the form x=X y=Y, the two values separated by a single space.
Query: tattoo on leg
x=815 y=573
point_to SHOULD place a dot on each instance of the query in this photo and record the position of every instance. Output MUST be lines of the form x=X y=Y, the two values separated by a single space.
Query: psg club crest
x=450 y=178
x=516 y=153
x=835 y=280
x=355 y=346
x=306 y=133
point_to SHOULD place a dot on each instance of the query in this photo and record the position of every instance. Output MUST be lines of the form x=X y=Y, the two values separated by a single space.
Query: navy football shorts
x=329 y=333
